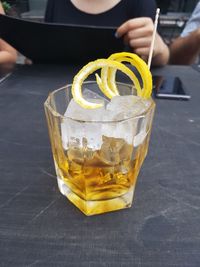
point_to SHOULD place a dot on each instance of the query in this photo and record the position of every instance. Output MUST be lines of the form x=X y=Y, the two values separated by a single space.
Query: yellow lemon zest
x=90 y=68
x=107 y=81
x=136 y=62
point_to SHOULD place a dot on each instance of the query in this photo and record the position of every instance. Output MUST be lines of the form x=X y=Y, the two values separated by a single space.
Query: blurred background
x=175 y=13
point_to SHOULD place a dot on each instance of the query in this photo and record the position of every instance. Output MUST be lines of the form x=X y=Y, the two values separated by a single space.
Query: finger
x=144 y=32
x=126 y=40
x=140 y=42
x=131 y=25
x=145 y=58
x=142 y=51
x=136 y=34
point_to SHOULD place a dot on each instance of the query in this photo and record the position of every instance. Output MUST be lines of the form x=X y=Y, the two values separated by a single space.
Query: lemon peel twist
x=107 y=83
x=90 y=68
x=141 y=67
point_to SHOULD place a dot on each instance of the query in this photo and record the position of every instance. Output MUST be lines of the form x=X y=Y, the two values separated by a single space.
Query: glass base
x=98 y=206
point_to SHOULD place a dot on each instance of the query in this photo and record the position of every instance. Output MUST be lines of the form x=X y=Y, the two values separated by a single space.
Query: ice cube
x=119 y=108
x=123 y=130
x=74 y=132
x=124 y=108
x=127 y=106
x=110 y=149
x=88 y=94
x=81 y=134
x=76 y=112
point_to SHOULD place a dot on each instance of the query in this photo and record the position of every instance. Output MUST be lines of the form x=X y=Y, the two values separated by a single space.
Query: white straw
x=153 y=37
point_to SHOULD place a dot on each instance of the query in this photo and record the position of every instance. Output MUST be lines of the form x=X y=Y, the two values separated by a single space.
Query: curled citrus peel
x=90 y=68
x=108 y=76
x=103 y=82
x=135 y=61
x=107 y=82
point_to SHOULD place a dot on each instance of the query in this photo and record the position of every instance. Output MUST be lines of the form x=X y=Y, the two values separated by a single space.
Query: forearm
x=7 y=57
x=184 y=50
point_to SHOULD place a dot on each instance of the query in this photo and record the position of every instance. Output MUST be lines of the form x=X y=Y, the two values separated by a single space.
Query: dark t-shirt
x=63 y=11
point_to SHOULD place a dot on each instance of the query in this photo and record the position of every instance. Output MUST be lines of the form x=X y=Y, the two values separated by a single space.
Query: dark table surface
x=40 y=227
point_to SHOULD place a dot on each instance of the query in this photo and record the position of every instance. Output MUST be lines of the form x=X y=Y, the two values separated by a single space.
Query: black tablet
x=58 y=43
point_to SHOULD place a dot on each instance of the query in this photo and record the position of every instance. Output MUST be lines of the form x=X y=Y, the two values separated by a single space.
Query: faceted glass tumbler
x=97 y=162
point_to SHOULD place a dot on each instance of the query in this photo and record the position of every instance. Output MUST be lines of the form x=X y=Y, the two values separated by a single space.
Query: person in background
x=8 y=54
x=185 y=49
x=133 y=20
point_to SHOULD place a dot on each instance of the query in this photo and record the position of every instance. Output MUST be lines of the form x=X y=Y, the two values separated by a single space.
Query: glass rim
x=57 y=114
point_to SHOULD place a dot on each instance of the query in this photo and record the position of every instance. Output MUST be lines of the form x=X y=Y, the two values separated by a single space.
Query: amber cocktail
x=98 y=153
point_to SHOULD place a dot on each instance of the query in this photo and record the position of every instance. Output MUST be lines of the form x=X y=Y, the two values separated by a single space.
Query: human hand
x=28 y=61
x=137 y=33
